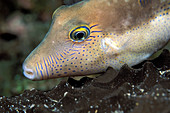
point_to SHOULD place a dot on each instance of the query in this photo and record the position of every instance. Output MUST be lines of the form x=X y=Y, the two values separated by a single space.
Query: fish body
x=89 y=36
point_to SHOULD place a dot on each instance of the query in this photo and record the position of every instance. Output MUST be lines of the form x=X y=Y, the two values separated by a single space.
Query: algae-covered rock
x=142 y=90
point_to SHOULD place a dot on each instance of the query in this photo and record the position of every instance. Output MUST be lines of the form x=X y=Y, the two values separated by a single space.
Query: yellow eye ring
x=80 y=33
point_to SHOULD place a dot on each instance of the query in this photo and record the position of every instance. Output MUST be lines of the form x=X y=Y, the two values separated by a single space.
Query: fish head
x=71 y=47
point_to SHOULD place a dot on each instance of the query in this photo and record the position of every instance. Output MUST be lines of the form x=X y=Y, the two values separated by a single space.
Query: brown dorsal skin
x=120 y=31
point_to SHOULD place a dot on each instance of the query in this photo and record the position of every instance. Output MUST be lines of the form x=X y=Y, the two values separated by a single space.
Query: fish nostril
x=29 y=73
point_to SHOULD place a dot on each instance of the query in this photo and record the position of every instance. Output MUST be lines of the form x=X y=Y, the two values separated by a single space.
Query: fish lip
x=29 y=73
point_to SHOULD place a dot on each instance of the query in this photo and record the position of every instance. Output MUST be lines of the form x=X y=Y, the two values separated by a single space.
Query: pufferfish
x=92 y=35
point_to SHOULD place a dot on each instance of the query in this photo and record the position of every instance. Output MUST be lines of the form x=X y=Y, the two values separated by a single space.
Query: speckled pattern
x=136 y=38
x=141 y=90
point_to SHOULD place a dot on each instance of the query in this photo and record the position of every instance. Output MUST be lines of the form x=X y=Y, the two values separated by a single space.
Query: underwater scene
x=80 y=56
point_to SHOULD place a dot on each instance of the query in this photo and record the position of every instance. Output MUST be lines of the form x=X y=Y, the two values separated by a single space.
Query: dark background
x=23 y=24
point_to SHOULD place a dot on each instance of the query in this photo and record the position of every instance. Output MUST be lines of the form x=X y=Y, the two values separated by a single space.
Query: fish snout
x=28 y=72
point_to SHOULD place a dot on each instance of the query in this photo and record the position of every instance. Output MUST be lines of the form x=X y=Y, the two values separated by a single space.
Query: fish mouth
x=28 y=72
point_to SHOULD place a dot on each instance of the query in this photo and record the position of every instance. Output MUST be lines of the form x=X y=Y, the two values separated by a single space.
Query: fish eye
x=80 y=33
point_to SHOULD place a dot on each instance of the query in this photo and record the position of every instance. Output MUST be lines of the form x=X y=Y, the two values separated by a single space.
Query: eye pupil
x=79 y=35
